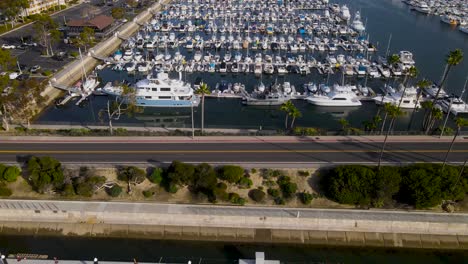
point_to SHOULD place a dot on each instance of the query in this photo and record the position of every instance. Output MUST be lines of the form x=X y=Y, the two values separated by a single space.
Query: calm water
x=215 y=252
x=428 y=39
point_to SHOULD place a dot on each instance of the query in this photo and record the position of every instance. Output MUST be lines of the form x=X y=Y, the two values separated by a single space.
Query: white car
x=7 y=46
x=13 y=75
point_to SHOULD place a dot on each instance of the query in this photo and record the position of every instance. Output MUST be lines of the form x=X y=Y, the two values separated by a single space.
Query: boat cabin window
x=165 y=89
x=154 y=89
x=339 y=99
x=164 y=97
x=147 y=97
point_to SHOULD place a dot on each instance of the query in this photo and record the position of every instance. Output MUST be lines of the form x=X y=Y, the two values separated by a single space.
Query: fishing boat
x=338 y=96
x=406 y=100
x=262 y=96
x=357 y=23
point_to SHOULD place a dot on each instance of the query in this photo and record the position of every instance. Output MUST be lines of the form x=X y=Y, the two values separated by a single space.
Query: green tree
x=287 y=187
x=13 y=9
x=295 y=113
x=393 y=112
x=205 y=180
x=7 y=62
x=118 y=12
x=422 y=84
x=45 y=29
x=460 y=123
x=203 y=90
x=306 y=198
x=156 y=175
x=344 y=125
x=387 y=184
x=114 y=191
x=11 y=173
x=123 y=104
x=131 y=175
x=411 y=72
x=393 y=59
x=85 y=39
x=231 y=173
x=286 y=107
x=257 y=195
x=181 y=174
x=45 y=174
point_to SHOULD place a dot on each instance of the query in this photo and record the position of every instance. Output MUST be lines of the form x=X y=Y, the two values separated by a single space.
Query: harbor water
x=214 y=252
x=425 y=36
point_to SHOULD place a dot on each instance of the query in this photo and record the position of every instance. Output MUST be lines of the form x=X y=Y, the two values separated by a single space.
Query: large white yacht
x=338 y=96
x=423 y=8
x=357 y=23
x=160 y=92
x=408 y=101
x=344 y=13
x=456 y=106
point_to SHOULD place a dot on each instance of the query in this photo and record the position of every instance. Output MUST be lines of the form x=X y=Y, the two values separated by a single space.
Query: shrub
x=303 y=173
x=74 y=54
x=287 y=187
x=231 y=173
x=2 y=169
x=156 y=176
x=5 y=192
x=114 y=191
x=306 y=198
x=273 y=192
x=253 y=171
x=205 y=179
x=84 y=189
x=280 y=201
x=221 y=186
x=245 y=183
x=47 y=73
x=172 y=188
x=11 y=173
x=45 y=173
x=68 y=190
x=148 y=193
x=257 y=195
x=236 y=199
x=181 y=173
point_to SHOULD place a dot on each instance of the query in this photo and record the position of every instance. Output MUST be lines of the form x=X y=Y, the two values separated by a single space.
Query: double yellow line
x=218 y=151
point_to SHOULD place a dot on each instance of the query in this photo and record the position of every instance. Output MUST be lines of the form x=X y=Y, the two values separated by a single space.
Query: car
x=22 y=77
x=35 y=68
x=8 y=46
x=30 y=44
x=13 y=75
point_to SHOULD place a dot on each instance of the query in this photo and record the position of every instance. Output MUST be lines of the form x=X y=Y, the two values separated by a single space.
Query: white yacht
x=160 y=92
x=406 y=59
x=456 y=106
x=408 y=101
x=357 y=23
x=423 y=8
x=463 y=29
x=338 y=96
x=344 y=13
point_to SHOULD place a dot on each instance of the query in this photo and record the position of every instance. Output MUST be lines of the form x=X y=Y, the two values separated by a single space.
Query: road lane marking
x=216 y=151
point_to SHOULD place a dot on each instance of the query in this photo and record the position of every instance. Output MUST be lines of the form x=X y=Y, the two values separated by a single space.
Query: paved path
x=240 y=150
x=232 y=216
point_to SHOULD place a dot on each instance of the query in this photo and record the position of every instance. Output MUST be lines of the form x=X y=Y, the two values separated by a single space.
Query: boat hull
x=334 y=103
x=166 y=103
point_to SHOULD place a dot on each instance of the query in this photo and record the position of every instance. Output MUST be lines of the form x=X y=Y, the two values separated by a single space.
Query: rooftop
x=99 y=22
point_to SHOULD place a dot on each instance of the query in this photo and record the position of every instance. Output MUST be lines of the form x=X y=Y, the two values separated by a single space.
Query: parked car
x=35 y=68
x=22 y=77
x=30 y=44
x=8 y=46
x=13 y=75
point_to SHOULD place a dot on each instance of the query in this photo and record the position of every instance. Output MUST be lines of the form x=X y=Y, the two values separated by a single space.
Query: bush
x=84 y=189
x=172 y=188
x=236 y=199
x=11 y=173
x=114 y=191
x=231 y=173
x=180 y=173
x=47 y=73
x=156 y=176
x=257 y=195
x=45 y=173
x=205 y=179
x=5 y=192
x=306 y=198
x=68 y=190
x=148 y=193
x=253 y=171
x=74 y=54
x=287 y=187
x=273 y=192
x=245 y=183
x=2 y=169
x=280 y=201
x=303 y=173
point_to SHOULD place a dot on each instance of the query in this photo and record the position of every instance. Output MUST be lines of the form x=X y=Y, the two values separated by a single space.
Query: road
x=233 y=150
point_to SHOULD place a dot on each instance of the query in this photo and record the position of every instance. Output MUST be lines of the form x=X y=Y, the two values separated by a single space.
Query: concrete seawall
x=72 y=72
x=242 y=224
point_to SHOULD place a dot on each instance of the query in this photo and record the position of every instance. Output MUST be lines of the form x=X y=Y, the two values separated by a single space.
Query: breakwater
x=235 y=224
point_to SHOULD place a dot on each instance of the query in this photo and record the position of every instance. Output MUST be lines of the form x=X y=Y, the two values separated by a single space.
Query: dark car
x=22 y=77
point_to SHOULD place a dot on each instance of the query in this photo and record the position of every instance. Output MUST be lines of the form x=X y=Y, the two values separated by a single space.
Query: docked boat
x=423 y=8
x=408 y=100
x=344 y=13
x=338 y=96
x=160 y=92
x=357 y=23
x=455 y=105
x=463 y=29
x=262 y=96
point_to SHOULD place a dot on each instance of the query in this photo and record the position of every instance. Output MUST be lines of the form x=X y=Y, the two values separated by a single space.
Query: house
x=100 y=24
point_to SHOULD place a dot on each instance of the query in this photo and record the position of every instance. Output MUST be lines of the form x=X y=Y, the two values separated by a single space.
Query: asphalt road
x=235 y=152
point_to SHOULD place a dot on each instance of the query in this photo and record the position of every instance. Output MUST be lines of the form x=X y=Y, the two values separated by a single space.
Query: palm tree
x=436 y=114
x=422 y=84
x=460 y=122
x=344 y=125
x=454 y=58
x=286 y=107
x=393 y=112
x=387 y=108
x=427 y=106
x=393 y=59
x=411 y=73
x=295 y=113
x=203 y=90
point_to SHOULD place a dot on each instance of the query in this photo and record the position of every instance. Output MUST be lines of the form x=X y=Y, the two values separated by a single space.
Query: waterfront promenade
x=225 y=223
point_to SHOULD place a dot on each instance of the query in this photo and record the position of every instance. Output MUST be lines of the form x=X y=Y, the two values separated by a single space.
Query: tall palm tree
x=203 y=90
x=295 y=113
x=436 y=114
x=460 y=122
x=422 y=84
x=454 y=57
x=411 y=73
x=393 y=59
x=393 y=112
x=427 y=106
x=344 y=125
x=387 y=108
x=286 y=107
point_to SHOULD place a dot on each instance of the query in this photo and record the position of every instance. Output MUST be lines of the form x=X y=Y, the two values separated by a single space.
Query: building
x=38 y=6
x=100 y=24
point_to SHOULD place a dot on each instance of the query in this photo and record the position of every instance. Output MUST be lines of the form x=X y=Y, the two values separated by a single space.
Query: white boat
x=406 y=58
x=261 y=96
x=463 y=29
x=357 y=23
x=344 y=13
x=160 y=92
x=423 y=8
x=339 y=96
x=408 y=101
x=455 y=104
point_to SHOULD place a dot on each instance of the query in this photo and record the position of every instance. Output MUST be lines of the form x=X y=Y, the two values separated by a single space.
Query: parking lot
x=29 y=56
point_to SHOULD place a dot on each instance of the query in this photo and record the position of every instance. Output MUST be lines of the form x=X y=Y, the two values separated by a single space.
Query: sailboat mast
x=82 y=66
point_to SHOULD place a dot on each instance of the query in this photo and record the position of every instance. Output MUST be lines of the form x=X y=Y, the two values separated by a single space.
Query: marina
x=244 y=52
